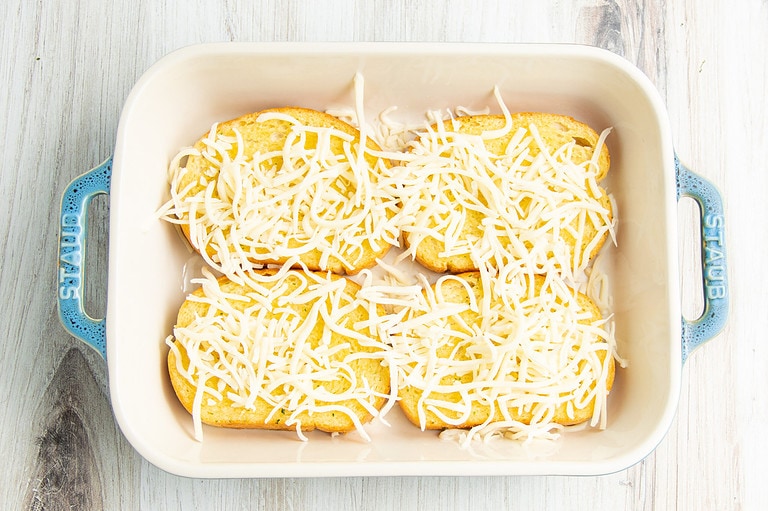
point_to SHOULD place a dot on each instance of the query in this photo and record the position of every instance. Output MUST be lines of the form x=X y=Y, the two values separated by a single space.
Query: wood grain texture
x=67 y=68
x=65 y=474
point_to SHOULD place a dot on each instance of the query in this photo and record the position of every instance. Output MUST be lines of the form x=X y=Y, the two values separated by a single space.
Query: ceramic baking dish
x=179 y=98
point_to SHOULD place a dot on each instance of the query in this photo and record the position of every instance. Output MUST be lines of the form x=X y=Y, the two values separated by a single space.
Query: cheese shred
x=285 y=345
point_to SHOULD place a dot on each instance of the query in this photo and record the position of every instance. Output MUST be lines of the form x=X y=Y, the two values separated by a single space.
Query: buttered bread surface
x=518 y=189
x=282 y=351
x=285 y=184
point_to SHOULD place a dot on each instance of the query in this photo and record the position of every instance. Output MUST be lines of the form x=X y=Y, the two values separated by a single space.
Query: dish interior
x=177 y=101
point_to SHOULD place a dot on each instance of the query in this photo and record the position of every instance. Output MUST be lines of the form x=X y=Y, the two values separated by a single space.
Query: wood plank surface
x=67 y=68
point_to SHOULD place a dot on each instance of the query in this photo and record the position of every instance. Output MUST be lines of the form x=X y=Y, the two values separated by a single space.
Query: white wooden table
x=66 y=69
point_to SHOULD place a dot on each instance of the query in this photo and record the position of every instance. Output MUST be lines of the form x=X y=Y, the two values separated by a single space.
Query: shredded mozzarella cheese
x=522 y=355
x=515 y=342
x=293 y=351
x=542 y=212
x=306 y=197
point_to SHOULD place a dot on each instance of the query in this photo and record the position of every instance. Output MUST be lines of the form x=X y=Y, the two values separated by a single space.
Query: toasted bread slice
x=284 y=351
x=284 y=185
x=488 y=193
x=529 y=351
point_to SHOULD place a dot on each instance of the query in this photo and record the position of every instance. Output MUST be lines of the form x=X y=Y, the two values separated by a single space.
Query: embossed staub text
x=70 y=258
x=714 y=256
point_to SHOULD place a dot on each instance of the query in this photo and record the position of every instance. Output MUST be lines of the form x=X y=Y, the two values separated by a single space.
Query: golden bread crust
x=556 y=131
x=263 y=414
x=269 y=136
x=565 y=413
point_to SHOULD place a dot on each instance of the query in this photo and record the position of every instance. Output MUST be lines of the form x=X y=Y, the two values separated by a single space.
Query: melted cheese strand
x=491 y=134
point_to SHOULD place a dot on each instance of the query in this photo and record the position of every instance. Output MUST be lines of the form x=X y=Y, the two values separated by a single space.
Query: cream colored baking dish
x=179 y=98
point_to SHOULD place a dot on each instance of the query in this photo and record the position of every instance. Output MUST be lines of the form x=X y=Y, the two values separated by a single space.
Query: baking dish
x=179 y=98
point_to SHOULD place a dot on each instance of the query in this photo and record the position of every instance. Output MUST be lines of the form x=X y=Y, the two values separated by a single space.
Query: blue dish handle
x=72 y=245
x=714 y=269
